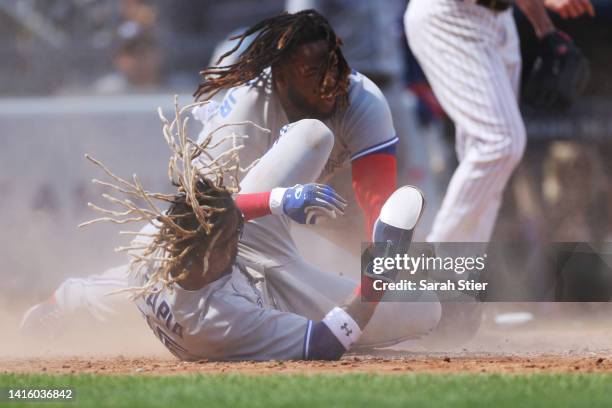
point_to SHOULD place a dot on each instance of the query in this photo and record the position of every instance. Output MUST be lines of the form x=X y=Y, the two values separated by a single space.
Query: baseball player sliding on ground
x=294 y=81
x=469 y=51
x=203 y=300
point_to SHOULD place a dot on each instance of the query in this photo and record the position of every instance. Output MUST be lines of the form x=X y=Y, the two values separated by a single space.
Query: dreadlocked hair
x=184 y=249
x=277 y=37
x=198 y=214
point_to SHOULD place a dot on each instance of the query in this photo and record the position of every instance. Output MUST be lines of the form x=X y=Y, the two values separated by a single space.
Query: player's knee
x=314 y=134
x=517 y=146
x=513 y=153
x=506 y=153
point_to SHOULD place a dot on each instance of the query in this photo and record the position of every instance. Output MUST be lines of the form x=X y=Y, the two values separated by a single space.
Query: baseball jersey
x=364 y=126
x=228 y=319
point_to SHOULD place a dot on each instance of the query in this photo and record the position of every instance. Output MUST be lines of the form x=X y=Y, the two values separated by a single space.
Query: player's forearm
x=537 y=15
x=340 y=329
x=342 y=326
x=359 y=310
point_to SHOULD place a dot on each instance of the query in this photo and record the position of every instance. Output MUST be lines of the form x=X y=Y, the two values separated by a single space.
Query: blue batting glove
x=304 y=203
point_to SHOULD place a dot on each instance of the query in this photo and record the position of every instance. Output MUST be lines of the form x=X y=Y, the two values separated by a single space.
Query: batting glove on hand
x=305 y=203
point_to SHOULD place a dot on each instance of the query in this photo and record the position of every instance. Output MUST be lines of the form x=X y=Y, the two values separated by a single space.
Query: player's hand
x=305 y=203
x=571 y=8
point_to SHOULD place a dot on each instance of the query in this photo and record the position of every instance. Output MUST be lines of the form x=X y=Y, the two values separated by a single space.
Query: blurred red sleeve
x=374 y=180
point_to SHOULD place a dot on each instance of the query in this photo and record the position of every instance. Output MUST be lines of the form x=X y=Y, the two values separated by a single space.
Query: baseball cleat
x=42 y=321
x=399 y=216
x=394 y=228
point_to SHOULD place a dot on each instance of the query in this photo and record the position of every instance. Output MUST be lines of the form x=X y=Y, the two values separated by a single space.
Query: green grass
x=350 y=390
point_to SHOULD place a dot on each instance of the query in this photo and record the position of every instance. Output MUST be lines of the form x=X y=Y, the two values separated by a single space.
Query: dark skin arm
x=359 y=310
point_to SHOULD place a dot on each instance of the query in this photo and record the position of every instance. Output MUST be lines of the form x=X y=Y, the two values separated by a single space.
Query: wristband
x=342 y=325
x=276 y=200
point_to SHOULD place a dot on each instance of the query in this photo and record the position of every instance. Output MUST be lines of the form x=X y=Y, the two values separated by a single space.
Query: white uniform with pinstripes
x=471 y=57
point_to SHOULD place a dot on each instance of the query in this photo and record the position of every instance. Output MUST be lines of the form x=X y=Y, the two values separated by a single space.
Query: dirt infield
x=571 y=344
x=390 y=363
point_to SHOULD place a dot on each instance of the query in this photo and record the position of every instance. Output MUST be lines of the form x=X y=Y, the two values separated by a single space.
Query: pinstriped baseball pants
x=471 y=58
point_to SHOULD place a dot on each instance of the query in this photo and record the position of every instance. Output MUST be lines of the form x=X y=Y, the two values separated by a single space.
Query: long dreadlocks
x=276 y=38
x=200 y=211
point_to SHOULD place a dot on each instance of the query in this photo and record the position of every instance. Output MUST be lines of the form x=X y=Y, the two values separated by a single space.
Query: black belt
x=497 y=5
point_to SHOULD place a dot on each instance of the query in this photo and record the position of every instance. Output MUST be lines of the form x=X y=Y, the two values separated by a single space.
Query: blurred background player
x=470 y=53
x=137 y=62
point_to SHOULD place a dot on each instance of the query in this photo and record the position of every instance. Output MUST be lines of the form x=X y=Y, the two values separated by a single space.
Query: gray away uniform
x=266 y=307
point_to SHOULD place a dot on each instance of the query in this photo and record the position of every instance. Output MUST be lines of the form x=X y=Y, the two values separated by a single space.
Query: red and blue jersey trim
x=387 y=146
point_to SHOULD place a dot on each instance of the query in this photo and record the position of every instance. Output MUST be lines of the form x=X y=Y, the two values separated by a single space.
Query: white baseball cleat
x=399 y=216
x=403 y=208
x=42 y=321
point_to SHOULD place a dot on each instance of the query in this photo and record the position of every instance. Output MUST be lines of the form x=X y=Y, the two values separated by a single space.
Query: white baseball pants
x=471 y=57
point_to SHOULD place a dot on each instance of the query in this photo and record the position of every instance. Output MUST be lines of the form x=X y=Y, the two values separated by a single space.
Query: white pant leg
x=511 y=52
x=299 y=287
x=92 y=296
x=465 y=51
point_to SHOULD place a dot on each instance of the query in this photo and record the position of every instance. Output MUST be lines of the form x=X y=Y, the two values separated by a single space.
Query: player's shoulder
x=366 y=121
x=239 y=102
x=363 y=90
x=365 y=99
